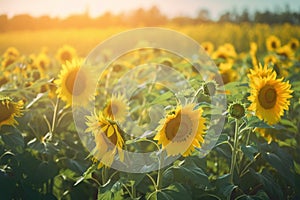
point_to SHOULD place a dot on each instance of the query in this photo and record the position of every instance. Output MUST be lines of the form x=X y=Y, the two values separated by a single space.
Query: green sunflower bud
x=237 y=110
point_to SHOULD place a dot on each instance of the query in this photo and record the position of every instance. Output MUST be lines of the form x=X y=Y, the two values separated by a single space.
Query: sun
x=181 y=131
x=269 y=98
x=9 y=110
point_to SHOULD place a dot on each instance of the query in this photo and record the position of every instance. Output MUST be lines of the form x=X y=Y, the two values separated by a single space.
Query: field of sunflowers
x=233 y=133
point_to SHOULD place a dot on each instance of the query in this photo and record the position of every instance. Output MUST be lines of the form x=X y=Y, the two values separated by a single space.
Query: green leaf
x=270 y=186
x=289 y=125
x=249 y=151
x=282 y=164
x=190 y=173
x=161 y=98
x=174 y=191
x=12 y=137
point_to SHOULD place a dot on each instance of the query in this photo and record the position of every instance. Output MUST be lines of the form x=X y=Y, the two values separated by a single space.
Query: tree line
x=143 y=17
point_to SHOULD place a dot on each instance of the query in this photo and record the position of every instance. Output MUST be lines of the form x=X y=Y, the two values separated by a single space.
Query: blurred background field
x=84 y=40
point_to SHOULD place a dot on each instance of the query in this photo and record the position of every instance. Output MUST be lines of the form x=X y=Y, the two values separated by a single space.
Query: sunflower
x=267 y=133
x=108 y=139
x=66 y=81
x=42 y=61
x=11 y=52
x=270 y=59
x=66 y=53
x=208 y=47
x=116 y=108
x=269 y=97
x=181 y=131
x=272 y=43
x=9 y=110
x=259 y=72
x=293 y=44
x=225 y=52
x=285 y=53
x=227 y=73
x=253 y=52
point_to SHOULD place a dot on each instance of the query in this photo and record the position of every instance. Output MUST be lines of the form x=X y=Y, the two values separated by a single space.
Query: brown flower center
x=66 y=55
x=70 y=81
x=6 y=111
x=112 y=110
x=273 y=45
x=179 y=128
x=267 y=97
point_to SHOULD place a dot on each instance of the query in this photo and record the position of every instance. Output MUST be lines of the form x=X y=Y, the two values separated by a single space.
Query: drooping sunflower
x=253 y=52
x=70 y=73
x=269 y=98
x=272 y=43
x=181 y=131
x=66 y=53
x=108 y=139
x=116 y=108
x=9 y=110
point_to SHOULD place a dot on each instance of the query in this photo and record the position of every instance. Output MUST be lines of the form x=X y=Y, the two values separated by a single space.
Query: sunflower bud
x=237 y=110
x=210 y=88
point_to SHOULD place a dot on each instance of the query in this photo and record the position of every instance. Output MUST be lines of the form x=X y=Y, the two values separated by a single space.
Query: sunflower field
x=160 y=126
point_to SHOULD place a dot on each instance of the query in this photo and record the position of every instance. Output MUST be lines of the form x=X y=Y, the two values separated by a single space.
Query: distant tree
x=203 y=16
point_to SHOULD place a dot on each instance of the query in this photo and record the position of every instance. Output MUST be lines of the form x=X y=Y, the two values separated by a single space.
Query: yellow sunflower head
x=108 y=139
x=70 y=73
x=208 y=47
x=9 y=110
x=227 y=73
x=268 y=133
x=272 y=43
x=66 y=53
x=225 y=52
x=285 y=53
x=294 y=44
x=116 y=108
x=270 y=59
x=269 y=98
x=259 y=72
x=11 y=52
x=181 y=131
x=42 y=61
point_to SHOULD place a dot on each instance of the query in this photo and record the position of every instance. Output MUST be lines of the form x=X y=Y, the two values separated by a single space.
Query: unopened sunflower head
x=237 y=110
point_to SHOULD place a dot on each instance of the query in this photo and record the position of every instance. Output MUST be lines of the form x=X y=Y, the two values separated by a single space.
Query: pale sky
x=171 y=8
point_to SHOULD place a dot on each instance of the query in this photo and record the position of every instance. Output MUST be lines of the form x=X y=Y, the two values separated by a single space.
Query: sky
x=171 y=8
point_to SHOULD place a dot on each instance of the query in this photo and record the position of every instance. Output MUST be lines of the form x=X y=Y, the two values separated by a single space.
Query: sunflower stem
x=234 y=152
x=159 y=173
x=55 y=112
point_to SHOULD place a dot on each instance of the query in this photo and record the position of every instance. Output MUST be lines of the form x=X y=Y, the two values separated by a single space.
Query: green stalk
x=234 y=152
